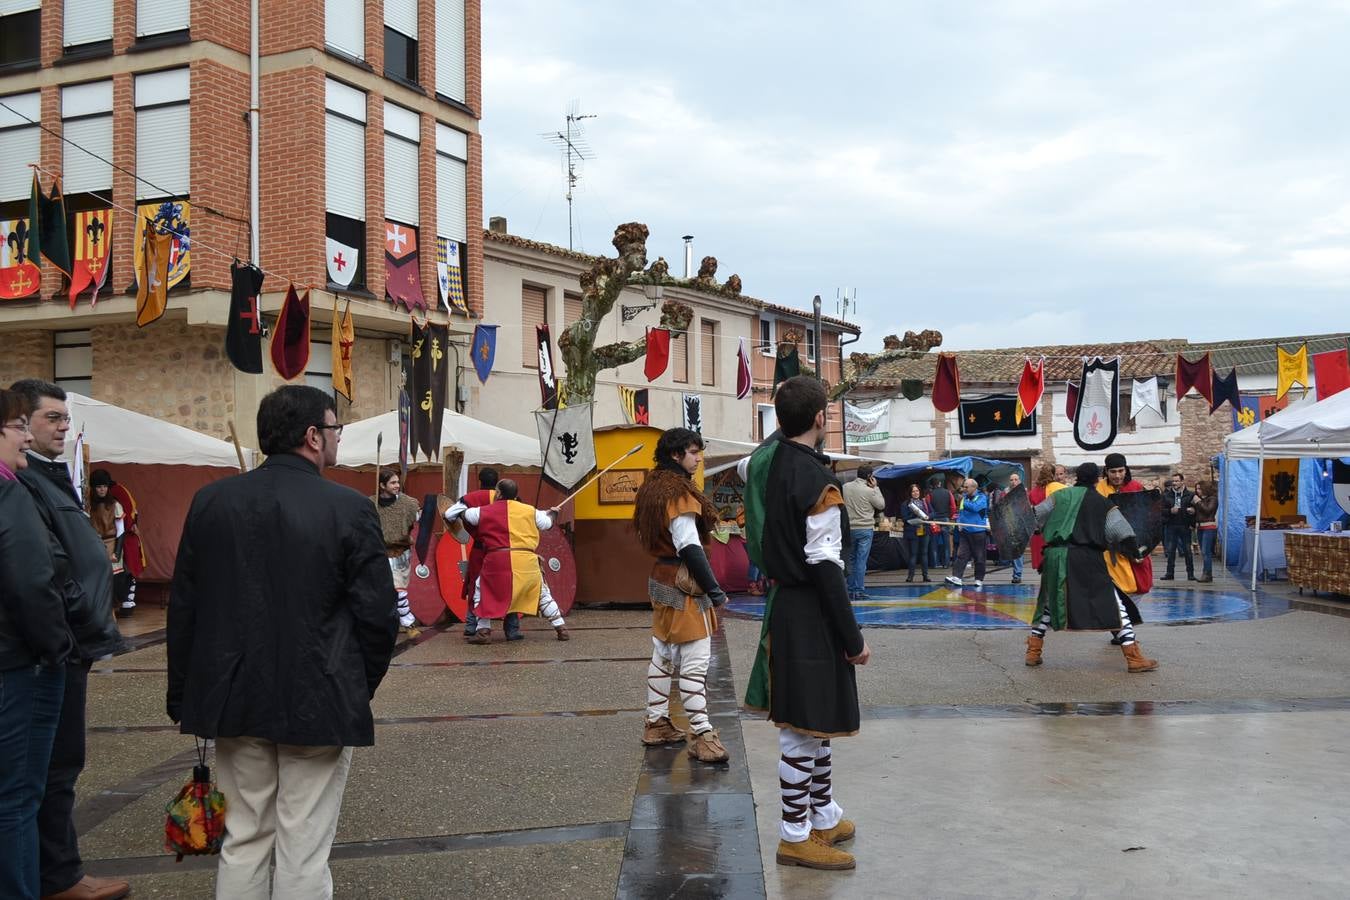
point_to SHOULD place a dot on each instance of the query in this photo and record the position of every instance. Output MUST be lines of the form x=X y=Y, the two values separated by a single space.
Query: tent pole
x=1260 y=493
x=1223 y=546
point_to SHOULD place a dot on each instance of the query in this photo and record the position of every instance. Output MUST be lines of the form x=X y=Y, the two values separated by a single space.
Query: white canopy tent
x=481 y=442
x=117 y=435
x=1306 y=429
x=720 y=454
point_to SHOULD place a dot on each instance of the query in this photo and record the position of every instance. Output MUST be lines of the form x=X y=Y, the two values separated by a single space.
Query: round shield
x=560 y=568
x=424 y=590
x=452 y=558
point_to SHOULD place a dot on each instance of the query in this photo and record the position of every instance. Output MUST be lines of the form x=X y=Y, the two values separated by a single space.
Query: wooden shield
x=449 y=554
x=424 y=590
x=560 y=567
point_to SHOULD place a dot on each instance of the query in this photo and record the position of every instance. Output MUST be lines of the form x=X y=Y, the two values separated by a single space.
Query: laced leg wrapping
x=659 y=672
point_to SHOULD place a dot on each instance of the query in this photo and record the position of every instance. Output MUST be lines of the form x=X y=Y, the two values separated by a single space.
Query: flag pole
x=592 y=479
x=379 y=443
x=238 y=450
x=543 y=461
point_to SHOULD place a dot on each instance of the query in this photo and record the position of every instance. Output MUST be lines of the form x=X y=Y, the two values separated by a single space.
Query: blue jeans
x=916 y=548
x=753 y=574
x=30 y=705
x=938 y=544
x=1207 y=538
x=1017 y=567
x=1178 y=538
x=860 y=548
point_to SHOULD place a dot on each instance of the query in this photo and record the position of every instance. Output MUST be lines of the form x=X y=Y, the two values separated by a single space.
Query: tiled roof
x=586 y=259
x=1138 y=359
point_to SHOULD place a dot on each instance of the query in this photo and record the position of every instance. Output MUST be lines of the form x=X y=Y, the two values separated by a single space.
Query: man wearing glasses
x=281 y=626
x=89 y=612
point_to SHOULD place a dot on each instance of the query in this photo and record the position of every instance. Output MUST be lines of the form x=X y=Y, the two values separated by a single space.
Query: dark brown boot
x=563 y=633
x=481 y=637
x=1136 y=661
x=1034 y=645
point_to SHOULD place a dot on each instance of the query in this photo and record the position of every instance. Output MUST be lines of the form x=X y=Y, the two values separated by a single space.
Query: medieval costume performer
x=1047 y=483
x=1076 y=589
x=510 y=580
x=112 y=512
x=1133 y=576
x=398 y=514
x=486 y=493
x=803 y=674
x=674 y=523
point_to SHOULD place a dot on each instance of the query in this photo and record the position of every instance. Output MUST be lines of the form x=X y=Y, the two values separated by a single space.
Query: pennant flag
x=562 y=394
x=342 y=262
x=402 y=275
x=450 y=276
x=548 y=383
x=243 y=331
x=1268 y=406
x=170 y=217
x=995 y=414
x=1144 y=395
x=290 y=337
x=1094 y=426
x=743 y=380
x=93 y=243
x=1292 y=369
x=1340 y=483
x=1196 y=375
x=20 y=275
x=440 y=380
x=152 y=276
x=634 y=403
x=484 y=349
x=658 y=352
x=77 y=466
x=693 y=412
x=1279 y=491
x=1070 y=400
x=1332 y=372
x=429 y=345
x=946 y=384
x=342 y=341
x=911 y=388
x=1225 y=390
x=566 y=443
x=1030 y=389
x=787 y=365
x=47 y=216
x=404 y=437
x=1245 y=412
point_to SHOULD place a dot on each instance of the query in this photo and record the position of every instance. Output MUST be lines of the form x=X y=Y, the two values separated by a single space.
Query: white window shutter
x=83 y=171
x=345 y=168
x=401 y=15
x=400 y=180
x=450 y=48
x=18 y=148
x=162 y=16
x=10 y=7
x=451 y=198
x=345 y=26
x=163 y=142
x=87 y=21
x=168 y=86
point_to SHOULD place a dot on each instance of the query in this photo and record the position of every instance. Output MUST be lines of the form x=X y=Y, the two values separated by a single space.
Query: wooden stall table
x=1318 y=560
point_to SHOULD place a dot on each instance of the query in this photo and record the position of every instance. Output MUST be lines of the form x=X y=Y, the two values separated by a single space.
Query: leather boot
x=563 y=633
x=813 y=853
x=707 y=747
x=1136 y=661
x=90 y=888
x=844 y=831
x=1034 y=645
x=662 y=731
x=482 y=636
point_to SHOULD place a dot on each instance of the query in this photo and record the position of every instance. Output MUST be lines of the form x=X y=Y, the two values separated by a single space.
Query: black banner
x=439 y=338
x=993 y=415
x=420 y=435
x=548 y=382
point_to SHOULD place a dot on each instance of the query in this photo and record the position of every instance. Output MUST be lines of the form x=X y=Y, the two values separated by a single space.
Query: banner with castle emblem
x=171 y=217
x=567 y=443
x=18 y=276
x=450 y=276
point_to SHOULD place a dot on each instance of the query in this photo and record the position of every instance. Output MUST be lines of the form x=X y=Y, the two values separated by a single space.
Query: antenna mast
x=576 y=150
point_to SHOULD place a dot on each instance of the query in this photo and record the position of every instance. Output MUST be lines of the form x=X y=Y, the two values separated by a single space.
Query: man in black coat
x=281 y=625
x=88 y=596
x=1178 y=504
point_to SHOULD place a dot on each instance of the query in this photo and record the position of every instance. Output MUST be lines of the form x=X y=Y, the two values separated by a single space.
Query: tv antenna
x=846 y=301
x=576 y=149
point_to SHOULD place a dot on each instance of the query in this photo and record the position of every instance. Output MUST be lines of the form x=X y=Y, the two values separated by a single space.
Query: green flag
x=47 y=219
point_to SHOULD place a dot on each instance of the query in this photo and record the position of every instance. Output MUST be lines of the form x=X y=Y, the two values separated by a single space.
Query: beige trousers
x=284 y=799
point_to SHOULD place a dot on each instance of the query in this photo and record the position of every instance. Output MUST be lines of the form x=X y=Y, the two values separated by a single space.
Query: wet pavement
x=516 y=770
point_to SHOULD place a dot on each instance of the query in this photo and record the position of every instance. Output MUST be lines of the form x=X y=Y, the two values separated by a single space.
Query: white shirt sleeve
x=542 y=520
x=684 y=532
x=456 y=510
x=824 y=540
x=743 y=468
x=473 y=515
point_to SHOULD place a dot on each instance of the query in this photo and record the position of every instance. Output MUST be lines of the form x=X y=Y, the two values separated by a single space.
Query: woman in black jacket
x=34 y=643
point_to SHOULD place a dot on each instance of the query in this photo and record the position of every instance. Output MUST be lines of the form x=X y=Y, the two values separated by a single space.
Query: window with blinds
x=87 y=22
x=345 y=151
x=450 y=49
x=400 y=40
x=87 y=126
x=20 y=143
x=73 y=361
x=452 y=154
x=163 y=134
x=533 y=311
x=707 y=351
x=401 y=183
x=162 y=17
x=344 y=27
x=20 y=32
x=679 y=356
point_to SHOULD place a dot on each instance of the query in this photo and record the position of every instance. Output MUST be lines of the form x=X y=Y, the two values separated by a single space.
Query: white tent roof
x=1318 y=430
x=720 y=454
x=117 y=435
x=480 y=441
x=1246 y=444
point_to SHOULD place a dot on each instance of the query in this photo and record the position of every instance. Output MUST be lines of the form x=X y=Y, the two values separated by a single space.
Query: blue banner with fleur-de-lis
x=484 y=348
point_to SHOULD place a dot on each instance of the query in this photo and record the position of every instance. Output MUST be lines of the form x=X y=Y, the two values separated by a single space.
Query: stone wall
x=27 y=354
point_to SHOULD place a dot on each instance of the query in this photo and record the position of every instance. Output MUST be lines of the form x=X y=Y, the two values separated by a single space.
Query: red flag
x=658 y=352
x=1071 y=401
x=1030 y=389
x=1196 y=375
x=946 y=384
x=290 y=336
x=743 y=381
x=1332 y=372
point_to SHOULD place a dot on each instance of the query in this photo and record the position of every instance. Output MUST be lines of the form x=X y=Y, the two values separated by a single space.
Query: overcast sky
x=1012 y=172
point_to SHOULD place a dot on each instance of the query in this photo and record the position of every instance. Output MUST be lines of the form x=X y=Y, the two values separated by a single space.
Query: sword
x=592 y=479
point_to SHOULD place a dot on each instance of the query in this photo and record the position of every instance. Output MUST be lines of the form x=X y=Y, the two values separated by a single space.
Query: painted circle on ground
x=1012 y=605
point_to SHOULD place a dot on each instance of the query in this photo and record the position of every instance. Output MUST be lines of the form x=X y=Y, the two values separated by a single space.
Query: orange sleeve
x=828 y=497
x=683 y=505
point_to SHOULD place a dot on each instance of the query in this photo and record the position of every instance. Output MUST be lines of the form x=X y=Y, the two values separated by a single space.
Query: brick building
x=369 y=121
x=1187 y=437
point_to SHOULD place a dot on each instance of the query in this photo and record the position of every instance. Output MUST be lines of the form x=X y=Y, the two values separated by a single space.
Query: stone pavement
x=515 y=770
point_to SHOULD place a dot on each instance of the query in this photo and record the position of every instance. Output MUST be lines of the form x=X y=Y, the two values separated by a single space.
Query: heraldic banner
x=567 y=443
x=992 y=416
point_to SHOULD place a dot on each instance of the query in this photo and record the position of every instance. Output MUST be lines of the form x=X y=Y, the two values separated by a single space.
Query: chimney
x=688 y=256
x=497 y=224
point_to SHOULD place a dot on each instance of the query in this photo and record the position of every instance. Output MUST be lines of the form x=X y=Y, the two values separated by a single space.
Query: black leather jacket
x=32 y=625
x=88 y=590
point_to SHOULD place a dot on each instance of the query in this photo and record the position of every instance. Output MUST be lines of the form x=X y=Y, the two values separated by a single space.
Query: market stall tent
x=481 y=442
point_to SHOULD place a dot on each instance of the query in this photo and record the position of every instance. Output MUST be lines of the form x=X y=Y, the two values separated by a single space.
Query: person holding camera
x=862 y=500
